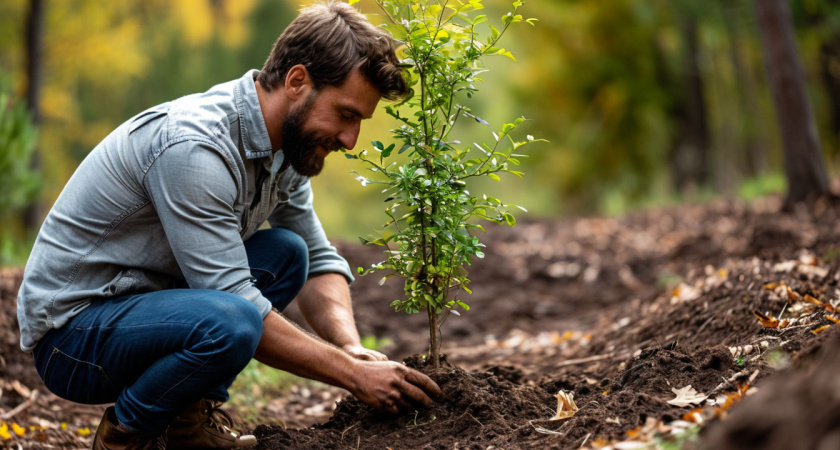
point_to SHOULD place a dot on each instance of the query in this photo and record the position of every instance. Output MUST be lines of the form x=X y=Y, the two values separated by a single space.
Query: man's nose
x=349 y=135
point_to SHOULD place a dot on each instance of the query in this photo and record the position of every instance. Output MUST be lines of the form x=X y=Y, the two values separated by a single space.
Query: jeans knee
x=238 y=329
x=298 y=253
x=300 y=270
x=280 y=258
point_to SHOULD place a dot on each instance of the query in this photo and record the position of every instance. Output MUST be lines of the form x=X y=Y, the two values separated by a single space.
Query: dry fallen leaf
x=565 y=406
x=792 y=295
x=732 y=398
x=687 y=396
x=771 y=286
x=695 y=415
x=808 y=299
x=832 y=318
x=820 y=329
x=770 y=322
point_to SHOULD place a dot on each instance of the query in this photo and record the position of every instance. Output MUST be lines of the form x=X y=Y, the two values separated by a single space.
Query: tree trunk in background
x=804 y=166
x=830 y=71
x=697 y=137
x=691 y=162
x=752 y=131
x=34 y=72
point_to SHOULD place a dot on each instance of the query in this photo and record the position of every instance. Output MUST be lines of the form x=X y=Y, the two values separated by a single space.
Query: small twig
x=348 y=429
x=783 y=311
x=543 y=430
x=584 y=406
x=19 y=408
x=726 y=383
x=573 y=362
x=794 y=328
x=585 y=439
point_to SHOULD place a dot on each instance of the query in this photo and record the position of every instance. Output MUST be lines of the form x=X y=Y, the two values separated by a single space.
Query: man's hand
x=392 y=387
x=359 y=352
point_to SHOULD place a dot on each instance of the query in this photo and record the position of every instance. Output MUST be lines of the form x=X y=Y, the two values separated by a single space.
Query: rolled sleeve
x=193 y=190
x=298 y=215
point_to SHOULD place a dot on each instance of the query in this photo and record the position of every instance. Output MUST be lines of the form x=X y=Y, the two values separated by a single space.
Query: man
x=149 y=284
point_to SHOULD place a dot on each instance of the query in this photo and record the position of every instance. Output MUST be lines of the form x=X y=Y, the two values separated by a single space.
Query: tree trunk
x=690 y=160
x=434 y=337
x=697 y=129
x=830 y=71
x=804 y=167
x=34 y=71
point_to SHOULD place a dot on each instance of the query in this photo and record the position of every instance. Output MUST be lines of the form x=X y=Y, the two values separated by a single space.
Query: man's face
x=326 y=121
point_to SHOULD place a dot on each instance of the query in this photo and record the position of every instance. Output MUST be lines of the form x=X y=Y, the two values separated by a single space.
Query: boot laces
x=159 y=444
x=221 y=420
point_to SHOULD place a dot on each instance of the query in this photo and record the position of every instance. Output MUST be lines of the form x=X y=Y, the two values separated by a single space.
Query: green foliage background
x=599 y=80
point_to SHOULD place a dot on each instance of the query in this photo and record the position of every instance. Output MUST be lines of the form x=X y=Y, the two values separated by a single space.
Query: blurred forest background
x=644 y=102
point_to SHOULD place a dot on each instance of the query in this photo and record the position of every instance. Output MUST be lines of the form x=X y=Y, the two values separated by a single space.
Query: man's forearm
x=386 y=385
x=325 y=303
x=286 y=347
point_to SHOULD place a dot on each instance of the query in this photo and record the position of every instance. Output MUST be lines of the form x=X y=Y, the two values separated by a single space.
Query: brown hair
x=331 y=39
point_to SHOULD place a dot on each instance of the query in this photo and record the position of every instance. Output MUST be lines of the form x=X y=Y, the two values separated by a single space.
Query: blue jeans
x=156 y=353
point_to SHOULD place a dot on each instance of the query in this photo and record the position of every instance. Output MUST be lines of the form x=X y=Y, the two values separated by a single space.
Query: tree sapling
x=430 y=211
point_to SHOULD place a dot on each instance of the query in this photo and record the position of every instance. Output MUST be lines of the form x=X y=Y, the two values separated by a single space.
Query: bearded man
x=151 y=284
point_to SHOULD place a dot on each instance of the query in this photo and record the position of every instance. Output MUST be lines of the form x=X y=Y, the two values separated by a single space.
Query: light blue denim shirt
x=165 y=201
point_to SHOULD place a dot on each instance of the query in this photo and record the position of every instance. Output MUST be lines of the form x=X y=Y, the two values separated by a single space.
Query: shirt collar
x=255 y=139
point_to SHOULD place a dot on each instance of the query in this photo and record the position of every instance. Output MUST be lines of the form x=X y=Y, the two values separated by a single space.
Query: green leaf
x=494 y=33
x=463 y=305
x=511 y=221
x=350 y=156
x=493 y=176
x=387 y=151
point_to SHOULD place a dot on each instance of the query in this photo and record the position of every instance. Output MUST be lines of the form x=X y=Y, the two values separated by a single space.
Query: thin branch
x=21 y=407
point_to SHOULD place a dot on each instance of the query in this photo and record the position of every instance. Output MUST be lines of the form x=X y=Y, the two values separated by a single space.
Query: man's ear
x=298 y=82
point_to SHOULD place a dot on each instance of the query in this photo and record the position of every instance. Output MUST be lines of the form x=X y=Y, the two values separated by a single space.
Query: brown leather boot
x=205 y=425
x=111 y=436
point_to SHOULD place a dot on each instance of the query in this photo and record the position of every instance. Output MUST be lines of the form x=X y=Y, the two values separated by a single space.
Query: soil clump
x=621 y=312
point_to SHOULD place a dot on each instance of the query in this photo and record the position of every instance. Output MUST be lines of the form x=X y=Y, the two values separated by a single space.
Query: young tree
x=428 y=238
x=804 y=167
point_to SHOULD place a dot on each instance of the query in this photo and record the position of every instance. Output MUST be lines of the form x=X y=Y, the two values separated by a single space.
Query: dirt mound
x=794 y=409
x=481 y=409
x=477 y=409
x=620 y=312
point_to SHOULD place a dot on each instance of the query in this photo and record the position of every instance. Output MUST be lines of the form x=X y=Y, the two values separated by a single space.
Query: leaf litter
x=617 y=312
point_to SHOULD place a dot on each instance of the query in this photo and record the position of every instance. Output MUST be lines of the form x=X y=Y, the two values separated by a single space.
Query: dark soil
x=618 y=311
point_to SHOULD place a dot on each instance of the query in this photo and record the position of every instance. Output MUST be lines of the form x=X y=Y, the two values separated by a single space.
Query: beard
x=300 y=146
